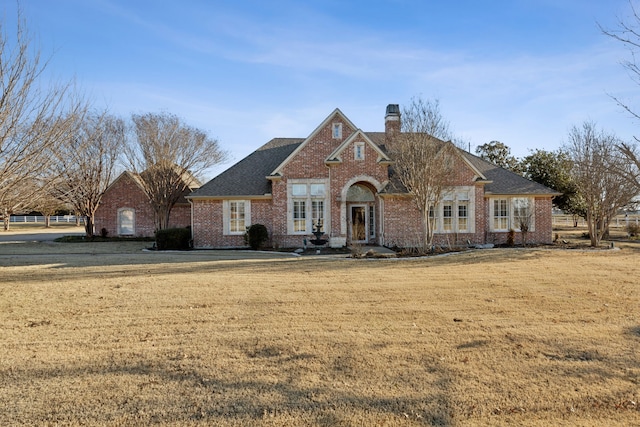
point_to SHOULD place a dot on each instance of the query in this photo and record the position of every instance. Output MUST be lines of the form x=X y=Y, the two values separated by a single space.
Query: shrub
x=173 y=239
x=256 y=236
x=104 y=233
x=633 y=229
x=511 y=237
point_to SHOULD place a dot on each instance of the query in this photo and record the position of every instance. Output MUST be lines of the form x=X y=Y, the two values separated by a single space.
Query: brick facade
x=341 y=160
x=126 y=193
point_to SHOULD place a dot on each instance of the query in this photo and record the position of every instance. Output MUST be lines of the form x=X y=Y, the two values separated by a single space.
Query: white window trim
x=226 y=217
x=338 y=127
x=511 y=219
x=359 y=145
x=308 y=198
x=455 y=197
x=532 y=210
x=133 y=222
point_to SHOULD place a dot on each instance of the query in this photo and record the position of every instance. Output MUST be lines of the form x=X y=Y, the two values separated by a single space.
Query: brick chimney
x=391 y=123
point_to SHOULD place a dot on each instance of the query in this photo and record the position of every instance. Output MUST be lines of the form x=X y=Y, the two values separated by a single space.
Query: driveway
x=39 y=234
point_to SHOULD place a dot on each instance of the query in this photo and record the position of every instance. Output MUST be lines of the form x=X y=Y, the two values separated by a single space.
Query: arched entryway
x=361 y=213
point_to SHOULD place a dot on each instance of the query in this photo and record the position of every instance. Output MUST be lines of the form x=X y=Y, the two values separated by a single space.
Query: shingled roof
x=504 y=181
x=248 y=176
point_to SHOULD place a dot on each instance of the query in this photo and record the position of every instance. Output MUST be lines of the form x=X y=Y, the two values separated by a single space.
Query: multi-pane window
x=522 y=213
x=515 y=213
x=307 y=206
x=463 y=216
x=317 y=214
x=236 y=217
x=454 y=212
x=358 y=151
x=337 y=131
x=299 y=216
x=500 y=214
x=447 y=217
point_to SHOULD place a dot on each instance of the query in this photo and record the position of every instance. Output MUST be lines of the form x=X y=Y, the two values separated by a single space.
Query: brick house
x=125 y=209
x=339 y=177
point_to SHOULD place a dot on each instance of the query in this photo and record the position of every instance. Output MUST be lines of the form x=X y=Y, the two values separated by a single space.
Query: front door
x=358 y=223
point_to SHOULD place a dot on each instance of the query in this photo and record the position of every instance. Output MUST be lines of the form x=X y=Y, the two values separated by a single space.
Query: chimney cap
x=393 y=110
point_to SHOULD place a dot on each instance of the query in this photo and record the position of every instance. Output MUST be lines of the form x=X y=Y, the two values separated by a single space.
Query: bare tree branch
x=33 y=118
x=85 y=165
x=601 y=174
x=423 y=163
x=168 y=155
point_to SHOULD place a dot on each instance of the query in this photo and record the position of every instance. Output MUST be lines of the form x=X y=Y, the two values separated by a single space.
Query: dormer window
x=337 y=131
x=358 y=151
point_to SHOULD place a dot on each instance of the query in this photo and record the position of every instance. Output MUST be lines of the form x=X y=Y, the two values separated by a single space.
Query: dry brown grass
x=111 y=335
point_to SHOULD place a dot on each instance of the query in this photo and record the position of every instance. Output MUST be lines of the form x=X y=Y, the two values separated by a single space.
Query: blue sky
x=518 y=71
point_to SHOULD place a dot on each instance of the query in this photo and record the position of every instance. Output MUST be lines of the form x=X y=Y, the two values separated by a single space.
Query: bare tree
x=632 y=154
x=601 y=174
x=33 y=117
x=47 y=204
x=423 y=162
x=523 y=217
x=86 y=164
x=628 y=33
x=168 y=155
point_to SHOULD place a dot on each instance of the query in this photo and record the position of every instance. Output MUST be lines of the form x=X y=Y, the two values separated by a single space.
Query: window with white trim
x=454 y=213
x=126 y=221
x=299 y=216
x=236 y=216
x=512 y=213
x=500 y=215
x=447 y=216
x=307 y=204
x=523 y=215
x=336 y=131
x=463 y=216
x=358 y=151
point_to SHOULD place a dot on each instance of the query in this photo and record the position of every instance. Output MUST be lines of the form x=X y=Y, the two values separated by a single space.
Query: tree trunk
x=162 y=215
x=47 y=221
x=428 y=231
x=593 y=230
x=88 y=226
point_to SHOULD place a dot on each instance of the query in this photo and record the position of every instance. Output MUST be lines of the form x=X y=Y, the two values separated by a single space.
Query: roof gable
x=358 y=135
x=248 y=177
x=504 y=182
x=330 y=118
x=135 y=178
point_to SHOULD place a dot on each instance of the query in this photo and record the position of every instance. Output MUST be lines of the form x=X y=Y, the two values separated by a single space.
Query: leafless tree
x=632 y=154
x=523 y=217
x=628 y=33
x=86 y=164
x=601 y=173
x=423 y=162
x=47 y=204
x=169 y=155
x=33 y=117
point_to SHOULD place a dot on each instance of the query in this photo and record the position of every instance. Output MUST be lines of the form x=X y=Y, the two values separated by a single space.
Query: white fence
x=71 y=219
x=562 y=220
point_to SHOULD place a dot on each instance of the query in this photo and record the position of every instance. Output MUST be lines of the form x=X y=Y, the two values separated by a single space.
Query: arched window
x=126 y=221
x=359 y=193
